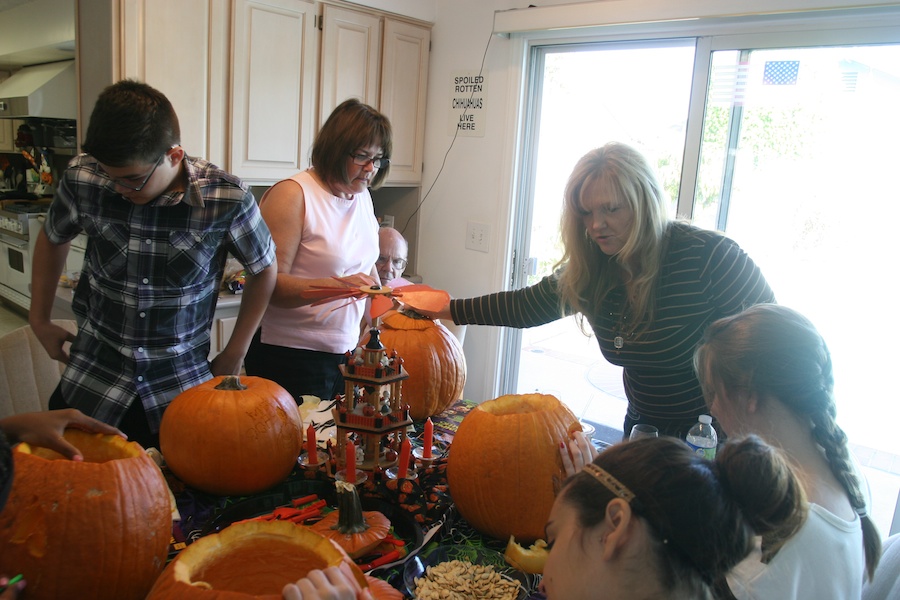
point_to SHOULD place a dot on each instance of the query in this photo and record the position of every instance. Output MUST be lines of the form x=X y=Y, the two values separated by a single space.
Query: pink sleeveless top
x=340 y=237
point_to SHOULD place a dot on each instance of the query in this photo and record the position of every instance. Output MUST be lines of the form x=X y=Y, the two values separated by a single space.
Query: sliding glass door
x=787 y=142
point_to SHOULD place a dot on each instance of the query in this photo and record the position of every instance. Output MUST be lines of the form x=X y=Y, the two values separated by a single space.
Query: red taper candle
x=403 y=468
x=429 y=438
x=312 y=448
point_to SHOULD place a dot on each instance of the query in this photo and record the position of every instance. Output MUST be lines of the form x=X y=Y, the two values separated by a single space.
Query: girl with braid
x=767 y=371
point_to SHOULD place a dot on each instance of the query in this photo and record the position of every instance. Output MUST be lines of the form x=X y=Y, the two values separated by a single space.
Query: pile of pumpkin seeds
x=461 y=580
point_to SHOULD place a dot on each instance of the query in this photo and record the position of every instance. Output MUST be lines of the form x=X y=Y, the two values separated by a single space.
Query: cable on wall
x=452 y=142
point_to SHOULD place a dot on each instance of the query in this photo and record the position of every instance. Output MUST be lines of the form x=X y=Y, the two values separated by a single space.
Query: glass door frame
x=822 y=28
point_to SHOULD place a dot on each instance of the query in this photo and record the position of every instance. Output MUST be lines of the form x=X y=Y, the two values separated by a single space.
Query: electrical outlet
x=478 y=236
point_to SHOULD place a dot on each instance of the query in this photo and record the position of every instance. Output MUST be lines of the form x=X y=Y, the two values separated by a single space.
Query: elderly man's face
x=392 y=256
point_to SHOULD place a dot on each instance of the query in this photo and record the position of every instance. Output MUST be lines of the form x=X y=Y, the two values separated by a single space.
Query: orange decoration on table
x=253 y=559
x=232 y=435
x=93 y=529
x=504 y=467
x=354 y=530
x=434 y=358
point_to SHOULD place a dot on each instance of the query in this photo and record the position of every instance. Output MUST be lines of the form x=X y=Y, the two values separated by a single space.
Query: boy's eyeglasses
x=128 y=183
x=362 y=160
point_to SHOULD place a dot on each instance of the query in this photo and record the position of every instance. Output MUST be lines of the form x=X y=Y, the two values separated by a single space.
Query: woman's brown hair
x=351 y=126
x=702 y=514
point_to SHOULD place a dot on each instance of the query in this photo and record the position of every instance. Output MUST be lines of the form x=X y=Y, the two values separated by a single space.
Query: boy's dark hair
x=131 y=123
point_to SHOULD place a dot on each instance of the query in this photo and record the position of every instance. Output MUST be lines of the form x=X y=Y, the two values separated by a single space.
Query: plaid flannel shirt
x=150 y=281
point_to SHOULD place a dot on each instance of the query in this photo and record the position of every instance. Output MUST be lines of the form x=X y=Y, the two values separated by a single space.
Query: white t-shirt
x=824 y=560
x=340 y=237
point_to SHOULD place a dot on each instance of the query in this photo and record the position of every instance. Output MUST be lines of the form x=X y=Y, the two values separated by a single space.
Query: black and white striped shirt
x=704 y=276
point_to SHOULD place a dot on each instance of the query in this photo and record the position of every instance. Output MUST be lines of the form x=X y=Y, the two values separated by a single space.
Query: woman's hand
x=579 y=452
x=443 y=313
x=334 y=583
x=46 y=429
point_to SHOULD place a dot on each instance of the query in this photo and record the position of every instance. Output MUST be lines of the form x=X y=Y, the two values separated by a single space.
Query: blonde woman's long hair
x=621 y=172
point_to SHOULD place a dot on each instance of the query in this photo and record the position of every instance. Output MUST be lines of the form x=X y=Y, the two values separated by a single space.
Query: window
x=784 y=136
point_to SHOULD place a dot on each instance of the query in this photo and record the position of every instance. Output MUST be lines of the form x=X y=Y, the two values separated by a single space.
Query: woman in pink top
x=323 y=224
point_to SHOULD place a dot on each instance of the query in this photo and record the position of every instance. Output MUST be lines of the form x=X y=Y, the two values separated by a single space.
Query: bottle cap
x=706 y=419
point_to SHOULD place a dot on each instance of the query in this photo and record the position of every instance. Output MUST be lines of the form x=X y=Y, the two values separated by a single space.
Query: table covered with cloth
x=425 y=500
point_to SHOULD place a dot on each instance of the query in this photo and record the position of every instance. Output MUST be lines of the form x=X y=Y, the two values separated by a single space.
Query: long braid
x=833 y=441
x=774 y=350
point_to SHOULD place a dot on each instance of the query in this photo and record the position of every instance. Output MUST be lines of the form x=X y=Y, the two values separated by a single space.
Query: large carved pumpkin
x=433 y=357
x=95 y=529
x=232 y=435
x=504 y=467
x=250 y=559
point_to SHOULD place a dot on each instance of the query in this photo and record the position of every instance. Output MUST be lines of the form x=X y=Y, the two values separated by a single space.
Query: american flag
x=781 y=72
x=728 y=84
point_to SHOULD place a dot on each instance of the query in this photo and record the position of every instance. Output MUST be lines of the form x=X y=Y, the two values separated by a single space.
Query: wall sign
x=468 y=99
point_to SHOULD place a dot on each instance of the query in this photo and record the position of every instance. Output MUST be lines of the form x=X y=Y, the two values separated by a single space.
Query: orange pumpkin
x=504 y=467
x=433 y=357
x=351 y=528
x=93 y=529
x=250 y=559
x=232 y=435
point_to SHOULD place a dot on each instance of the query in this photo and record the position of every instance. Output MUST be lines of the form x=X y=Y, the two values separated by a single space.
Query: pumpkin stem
x=411 y=313
x=350 y=514
x=231 y=383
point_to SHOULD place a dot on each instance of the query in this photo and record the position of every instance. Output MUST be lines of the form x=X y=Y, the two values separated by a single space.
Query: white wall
x=477 y=182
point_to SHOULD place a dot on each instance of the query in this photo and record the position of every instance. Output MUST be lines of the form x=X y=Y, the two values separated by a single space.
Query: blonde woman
x=648 y=286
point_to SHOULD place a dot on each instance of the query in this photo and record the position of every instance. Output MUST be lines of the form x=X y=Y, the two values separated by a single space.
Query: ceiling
x=47 y=17
x=7 y=4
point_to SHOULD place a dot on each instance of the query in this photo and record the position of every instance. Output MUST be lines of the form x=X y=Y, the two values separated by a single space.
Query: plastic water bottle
x=702 y=437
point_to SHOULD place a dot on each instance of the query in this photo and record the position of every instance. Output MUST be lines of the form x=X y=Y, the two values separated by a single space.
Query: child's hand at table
x=334 y=583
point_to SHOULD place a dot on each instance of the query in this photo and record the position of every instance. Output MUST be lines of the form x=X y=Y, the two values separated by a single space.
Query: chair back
x=28 y=375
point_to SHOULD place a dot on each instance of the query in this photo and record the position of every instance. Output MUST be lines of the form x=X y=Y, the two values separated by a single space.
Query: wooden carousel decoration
x=372 y=407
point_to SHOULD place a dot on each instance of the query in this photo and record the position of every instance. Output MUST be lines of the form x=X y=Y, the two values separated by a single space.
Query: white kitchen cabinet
x=274 y=53
x=180 y=48
x=382 y=61
x=404 y=79
x=351 y=58
x=223 y=323
x=7 y=136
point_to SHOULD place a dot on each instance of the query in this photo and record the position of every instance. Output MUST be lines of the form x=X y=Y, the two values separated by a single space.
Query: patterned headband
x=610 y=482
